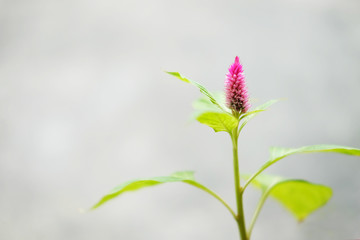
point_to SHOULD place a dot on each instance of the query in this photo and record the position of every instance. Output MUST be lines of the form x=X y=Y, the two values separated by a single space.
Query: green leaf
x=133 y=185
x=278 y=153
x=203 y=90
x=204 y=104
x=300 y=197
x=142 y=183
x=248 y=116
x=218 y=121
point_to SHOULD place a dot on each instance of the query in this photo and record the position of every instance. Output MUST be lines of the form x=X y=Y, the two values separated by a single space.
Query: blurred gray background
x=85 y=105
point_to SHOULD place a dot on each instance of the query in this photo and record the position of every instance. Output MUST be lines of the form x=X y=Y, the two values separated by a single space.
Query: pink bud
x=235 y=88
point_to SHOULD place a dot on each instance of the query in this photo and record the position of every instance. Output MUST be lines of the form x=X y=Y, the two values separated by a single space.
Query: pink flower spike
x=235 y=89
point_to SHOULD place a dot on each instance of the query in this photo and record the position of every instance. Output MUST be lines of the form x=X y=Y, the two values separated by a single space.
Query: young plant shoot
x=229 y=112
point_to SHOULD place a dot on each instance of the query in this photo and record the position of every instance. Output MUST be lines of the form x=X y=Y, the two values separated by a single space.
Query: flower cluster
x=235 y=89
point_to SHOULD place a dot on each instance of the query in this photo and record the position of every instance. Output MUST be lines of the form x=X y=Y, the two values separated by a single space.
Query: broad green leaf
x=248 y=116
x=203 y=90
x=300 y=197
x=218 y=121
x=278 y=153
x=133 y=185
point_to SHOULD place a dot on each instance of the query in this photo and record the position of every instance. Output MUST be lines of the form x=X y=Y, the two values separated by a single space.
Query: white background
x=85 y=105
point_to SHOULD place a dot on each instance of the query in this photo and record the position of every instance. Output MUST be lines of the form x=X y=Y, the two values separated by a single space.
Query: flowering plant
x=230 y=113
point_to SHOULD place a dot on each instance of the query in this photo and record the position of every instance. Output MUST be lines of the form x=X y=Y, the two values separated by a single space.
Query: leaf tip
x=301 y=220
x=94 y=207
x=179 y=76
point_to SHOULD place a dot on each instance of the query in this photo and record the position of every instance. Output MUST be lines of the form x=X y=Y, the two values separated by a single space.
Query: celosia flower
x=235 y=89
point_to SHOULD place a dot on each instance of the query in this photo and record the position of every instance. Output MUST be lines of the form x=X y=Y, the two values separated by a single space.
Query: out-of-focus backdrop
x=85 y=105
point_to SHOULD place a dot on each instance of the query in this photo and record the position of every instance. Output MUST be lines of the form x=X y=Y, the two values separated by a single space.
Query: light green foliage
x=207 y=113
x=203 y=104
x=137 y=184
x=298 y=196
x=133 y=185
x=203 y=90
x=249 y=115
x=211 y=111
x=278 y=153
x=218 y=121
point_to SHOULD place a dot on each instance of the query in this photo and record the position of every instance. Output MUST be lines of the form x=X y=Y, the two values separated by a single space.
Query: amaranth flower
x=237 y=98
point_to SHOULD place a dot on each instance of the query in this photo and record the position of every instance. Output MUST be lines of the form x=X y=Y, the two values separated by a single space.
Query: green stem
x=202 y=187
x=238 y=190
x=257 y=211
x=266 y=165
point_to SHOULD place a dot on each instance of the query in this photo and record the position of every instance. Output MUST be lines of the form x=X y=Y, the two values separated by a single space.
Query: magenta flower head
x=236 y=90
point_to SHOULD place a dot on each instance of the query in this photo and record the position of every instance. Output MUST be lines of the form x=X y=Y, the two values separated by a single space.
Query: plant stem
x=257 y=211
x=240 y=219
x=202 y=187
